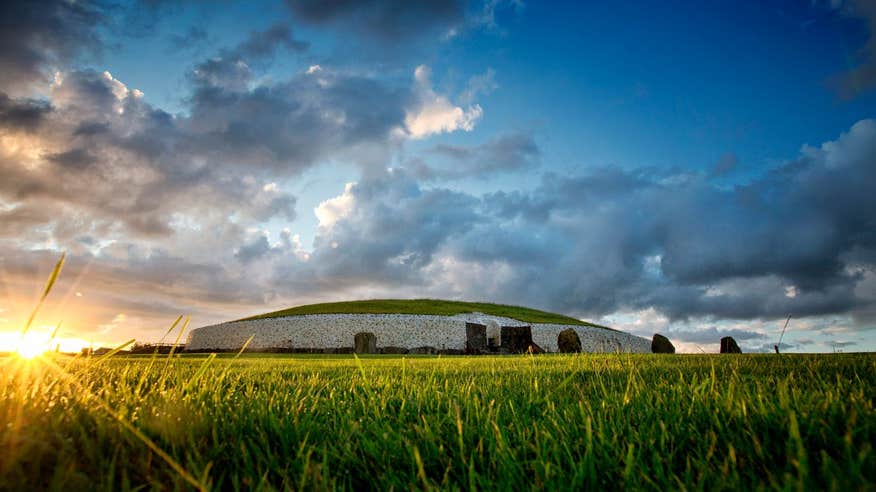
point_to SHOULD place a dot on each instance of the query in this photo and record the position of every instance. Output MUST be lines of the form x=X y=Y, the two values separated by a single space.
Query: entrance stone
x=568 y=341
x=365 y=343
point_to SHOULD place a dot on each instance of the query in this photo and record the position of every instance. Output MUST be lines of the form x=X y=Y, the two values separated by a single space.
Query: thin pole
x=783 y=333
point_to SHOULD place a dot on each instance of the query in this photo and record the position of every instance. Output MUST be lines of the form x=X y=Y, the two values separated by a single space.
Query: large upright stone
x=729 y=346
x=516 y=339
x=661 y=345
x=568 y=341
x=475 y=338
x=494 y=335
x=365 y=342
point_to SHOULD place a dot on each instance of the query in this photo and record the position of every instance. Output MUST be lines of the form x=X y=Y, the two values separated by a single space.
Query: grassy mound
x=426 y=306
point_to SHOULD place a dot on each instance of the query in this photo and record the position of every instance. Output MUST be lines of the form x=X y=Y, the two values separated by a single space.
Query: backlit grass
x=549 y=422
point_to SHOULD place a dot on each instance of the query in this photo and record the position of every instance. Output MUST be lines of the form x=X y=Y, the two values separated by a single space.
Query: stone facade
x=326 y=331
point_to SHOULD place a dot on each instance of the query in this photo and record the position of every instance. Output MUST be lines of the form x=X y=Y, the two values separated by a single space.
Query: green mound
x=427 y=306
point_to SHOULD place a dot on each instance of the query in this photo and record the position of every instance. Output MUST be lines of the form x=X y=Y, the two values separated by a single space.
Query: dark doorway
x=516 y=339
x=475 y=338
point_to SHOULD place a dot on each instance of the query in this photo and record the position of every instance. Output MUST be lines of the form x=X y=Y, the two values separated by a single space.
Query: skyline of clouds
x=198 y=211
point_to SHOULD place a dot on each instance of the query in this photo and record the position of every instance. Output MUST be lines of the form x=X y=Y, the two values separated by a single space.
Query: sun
x=31 y=346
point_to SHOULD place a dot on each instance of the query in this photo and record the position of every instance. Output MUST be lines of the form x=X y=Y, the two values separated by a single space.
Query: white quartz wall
x=396 y=330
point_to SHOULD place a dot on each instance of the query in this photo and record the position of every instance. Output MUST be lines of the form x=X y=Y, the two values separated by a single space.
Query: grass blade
x=53 y=277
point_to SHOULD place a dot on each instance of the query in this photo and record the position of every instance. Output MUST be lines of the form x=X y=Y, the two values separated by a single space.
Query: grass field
x=427 y=306
x=789 y=422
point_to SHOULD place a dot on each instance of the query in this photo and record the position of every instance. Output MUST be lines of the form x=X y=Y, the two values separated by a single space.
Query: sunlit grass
x=555 y=422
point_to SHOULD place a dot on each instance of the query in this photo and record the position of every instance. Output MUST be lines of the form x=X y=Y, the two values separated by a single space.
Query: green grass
x=427 y=306
x=651 y=422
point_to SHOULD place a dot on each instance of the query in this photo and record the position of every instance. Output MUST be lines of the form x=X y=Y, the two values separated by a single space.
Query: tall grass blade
x=48 y=288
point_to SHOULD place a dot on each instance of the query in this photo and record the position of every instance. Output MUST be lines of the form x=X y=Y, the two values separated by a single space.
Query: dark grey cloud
x=36 y=35
x=261 y=44
x=507 y=153
x=287 y=126
x=253 y=250
x=386 y=20
x=78 y=158
x=22 y=113
x=260 y=248
x=233 y=68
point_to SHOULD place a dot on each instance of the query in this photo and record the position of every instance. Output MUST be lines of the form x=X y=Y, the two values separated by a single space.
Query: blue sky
x=694 y=170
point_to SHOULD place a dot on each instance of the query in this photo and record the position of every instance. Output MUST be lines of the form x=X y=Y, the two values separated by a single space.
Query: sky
x=695 y=169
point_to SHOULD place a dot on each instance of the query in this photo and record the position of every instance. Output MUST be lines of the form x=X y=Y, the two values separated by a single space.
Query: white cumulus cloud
x=434 y=113
x=334 y=209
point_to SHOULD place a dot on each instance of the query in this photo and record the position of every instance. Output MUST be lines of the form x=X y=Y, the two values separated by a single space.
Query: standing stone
x=516 y=339
x=475 y=338
x=494 y=334
x=729 y=346
x=365 y=343
x=661 y=345
x=568 y=341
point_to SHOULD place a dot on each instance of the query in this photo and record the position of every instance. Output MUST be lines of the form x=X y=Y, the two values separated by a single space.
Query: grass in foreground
x=548 y=422
x=426 y=306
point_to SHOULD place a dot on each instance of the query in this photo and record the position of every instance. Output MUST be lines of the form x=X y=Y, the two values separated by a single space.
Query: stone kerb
x=446 y=333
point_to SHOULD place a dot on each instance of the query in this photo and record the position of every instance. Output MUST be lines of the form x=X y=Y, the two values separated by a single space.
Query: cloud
x=381 y=235
x=725 y=165
x=433 y=113
x=289 y=125
x=38 y=36
x=382 y=20
x=491 y=8
x=330 y=211
x=712 y=335
x=484 y=83
x=93 y=159
x=615 y=240
x=22 y=113
x=262 y=44
x=94 y=137
x=192 y=39
x=233 y=68
x=842 y=344
x=507 y=153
